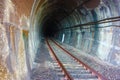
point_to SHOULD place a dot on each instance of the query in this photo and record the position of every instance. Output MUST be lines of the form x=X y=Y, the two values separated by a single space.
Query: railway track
x=68 y=66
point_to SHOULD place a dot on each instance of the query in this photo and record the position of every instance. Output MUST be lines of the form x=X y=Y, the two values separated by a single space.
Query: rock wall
x=13 y=61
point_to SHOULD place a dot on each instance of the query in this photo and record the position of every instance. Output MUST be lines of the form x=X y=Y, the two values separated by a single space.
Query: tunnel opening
x=49 y=29
x=79 y=24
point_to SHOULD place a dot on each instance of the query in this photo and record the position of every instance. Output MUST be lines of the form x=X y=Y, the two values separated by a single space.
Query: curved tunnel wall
x=102 y=42
x=99 y=39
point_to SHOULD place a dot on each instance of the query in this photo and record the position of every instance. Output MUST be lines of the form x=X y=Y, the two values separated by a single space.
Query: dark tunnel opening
x=49 y=29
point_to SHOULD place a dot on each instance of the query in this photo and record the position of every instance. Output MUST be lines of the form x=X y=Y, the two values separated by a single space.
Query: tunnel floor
x=44 y=68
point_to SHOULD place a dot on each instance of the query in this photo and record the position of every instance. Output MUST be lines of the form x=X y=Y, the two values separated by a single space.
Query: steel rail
x=100 y=77
x=59 y=62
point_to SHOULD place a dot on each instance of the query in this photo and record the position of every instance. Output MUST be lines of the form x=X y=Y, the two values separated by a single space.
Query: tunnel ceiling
x=58 y=10
x=54 y=11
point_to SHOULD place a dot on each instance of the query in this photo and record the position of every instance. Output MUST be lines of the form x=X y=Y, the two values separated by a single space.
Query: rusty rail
x=100 y=77
x=59 y=62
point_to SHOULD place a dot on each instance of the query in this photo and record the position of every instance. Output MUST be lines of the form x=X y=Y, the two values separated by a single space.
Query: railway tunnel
x=89 y=29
